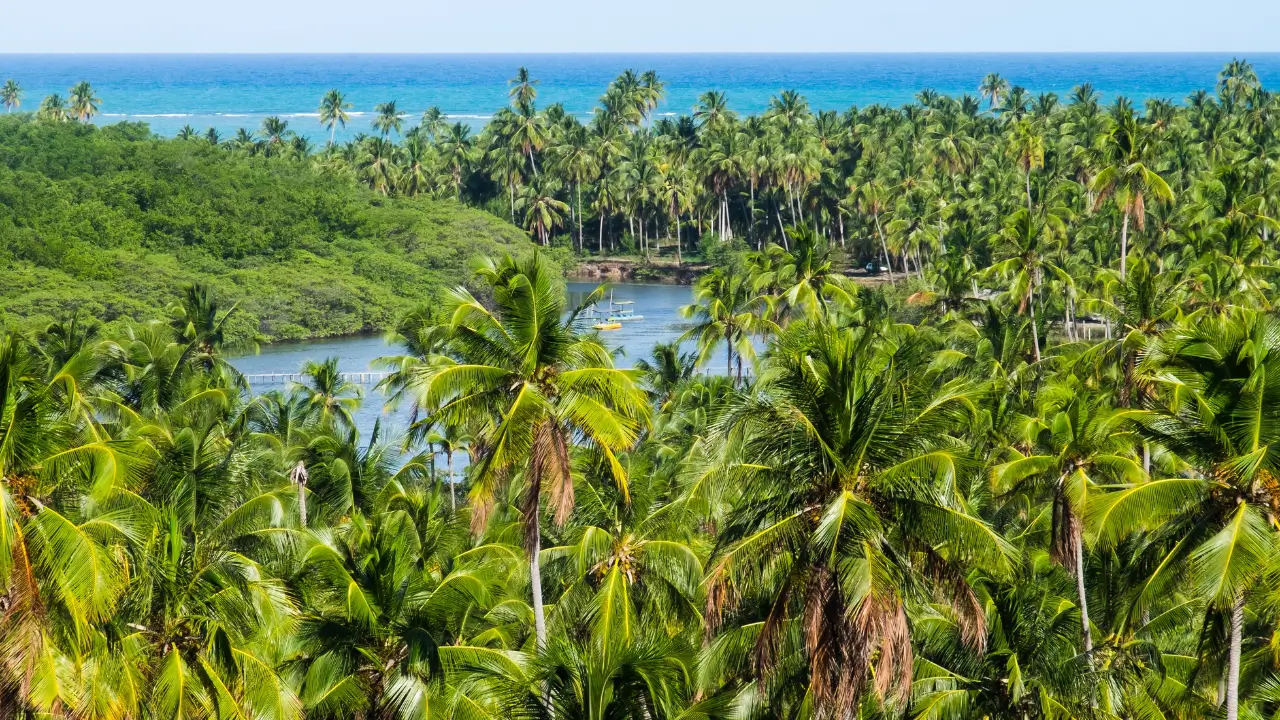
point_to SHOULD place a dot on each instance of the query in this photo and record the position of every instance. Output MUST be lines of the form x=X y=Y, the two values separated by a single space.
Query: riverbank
x=667 y=272
x=635 y=270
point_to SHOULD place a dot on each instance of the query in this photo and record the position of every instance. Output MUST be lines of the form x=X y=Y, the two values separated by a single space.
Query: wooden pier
x=360 y=378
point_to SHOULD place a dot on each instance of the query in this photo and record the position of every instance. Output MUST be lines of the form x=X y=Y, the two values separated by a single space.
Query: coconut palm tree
x=842 y=462
x=333 y=112
x=331 y=397
x=994 y=88
x=387 y=118
x=1129 y=179
x=84 y=103
x=726 y=309
x=525 y=364
x=577 y=163
x=389 y=637
x=543 y=212
x=524 y=89
x=1077 y=444
x=1027 y=241
x=53 y=108
x=434 y=122
x=456 y=149
x=1028 y=148
x=11 y=95
x=1207 y=528
x=274 y=133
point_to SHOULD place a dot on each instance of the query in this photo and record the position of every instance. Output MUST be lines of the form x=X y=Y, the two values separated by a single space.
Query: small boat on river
x=622 y=311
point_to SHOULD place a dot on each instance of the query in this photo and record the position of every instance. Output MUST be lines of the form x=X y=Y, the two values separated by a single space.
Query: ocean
x=232 y=91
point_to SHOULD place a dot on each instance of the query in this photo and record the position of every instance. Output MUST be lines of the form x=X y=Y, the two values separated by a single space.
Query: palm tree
x=528 y=133
x=1208 y=533
x=994 y=88
x=1027 y=242
x=524 y=89
x=434 y=122
x=842 y=462
x=84 y=104
x=874 y=198
x=455 y=154
x=543 y=212
x=53 y=108
x=726 y=309
x=333 y=112
x=389 y=637
x=1129 y=179
x=627 y=556
x=579 y=165
x=712 y=112
x=387 y=119
x=668 y=370
x=1028 y=148
x=274 y=131
x=1077 y=444
x=11 y=95
x=525 y=364
x=331 y=397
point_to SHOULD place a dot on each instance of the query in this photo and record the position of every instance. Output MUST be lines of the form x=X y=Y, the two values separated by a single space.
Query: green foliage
x=949 y=496
x=113 y=222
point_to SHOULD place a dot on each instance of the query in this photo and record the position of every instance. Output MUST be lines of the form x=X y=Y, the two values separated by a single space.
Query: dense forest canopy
x=114 y=221
x=1034 y=478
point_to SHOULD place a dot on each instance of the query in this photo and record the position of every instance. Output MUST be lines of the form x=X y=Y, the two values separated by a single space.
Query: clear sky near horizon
x=333 y=26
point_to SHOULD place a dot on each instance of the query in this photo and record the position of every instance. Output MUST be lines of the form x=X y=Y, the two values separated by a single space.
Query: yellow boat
x=607 y=325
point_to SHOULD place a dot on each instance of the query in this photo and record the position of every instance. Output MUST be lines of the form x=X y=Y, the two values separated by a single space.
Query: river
x=659 y=304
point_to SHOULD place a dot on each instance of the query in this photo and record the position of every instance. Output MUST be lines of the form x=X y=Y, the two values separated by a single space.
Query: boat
x=621 y=311
x=607 y=325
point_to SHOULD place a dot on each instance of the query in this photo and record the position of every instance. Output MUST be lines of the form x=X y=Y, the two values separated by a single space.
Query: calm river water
x=659 y=304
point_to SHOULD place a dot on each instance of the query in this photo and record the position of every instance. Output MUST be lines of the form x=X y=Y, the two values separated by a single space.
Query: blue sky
x=649 y=26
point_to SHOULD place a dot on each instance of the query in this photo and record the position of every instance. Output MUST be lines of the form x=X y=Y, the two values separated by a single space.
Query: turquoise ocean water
x=233 y=91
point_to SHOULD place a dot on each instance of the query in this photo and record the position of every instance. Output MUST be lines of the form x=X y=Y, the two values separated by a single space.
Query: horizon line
x=512 y=53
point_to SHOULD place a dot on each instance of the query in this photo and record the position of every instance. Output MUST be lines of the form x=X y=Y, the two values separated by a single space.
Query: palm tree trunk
x=600 y=237
x=578 y=189
x=679 y=260
x=299 y=477
x=302 y=503
x=453 y=497
x=1124 y=242
x=535 y=580
x=333 y=131
x=1027 y=175
x=1035 y=333
x=1086 y=632
x=888 y=264
x=1233 y=660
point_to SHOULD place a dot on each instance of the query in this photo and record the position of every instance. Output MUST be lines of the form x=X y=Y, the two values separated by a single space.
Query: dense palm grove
x=1036 y=478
